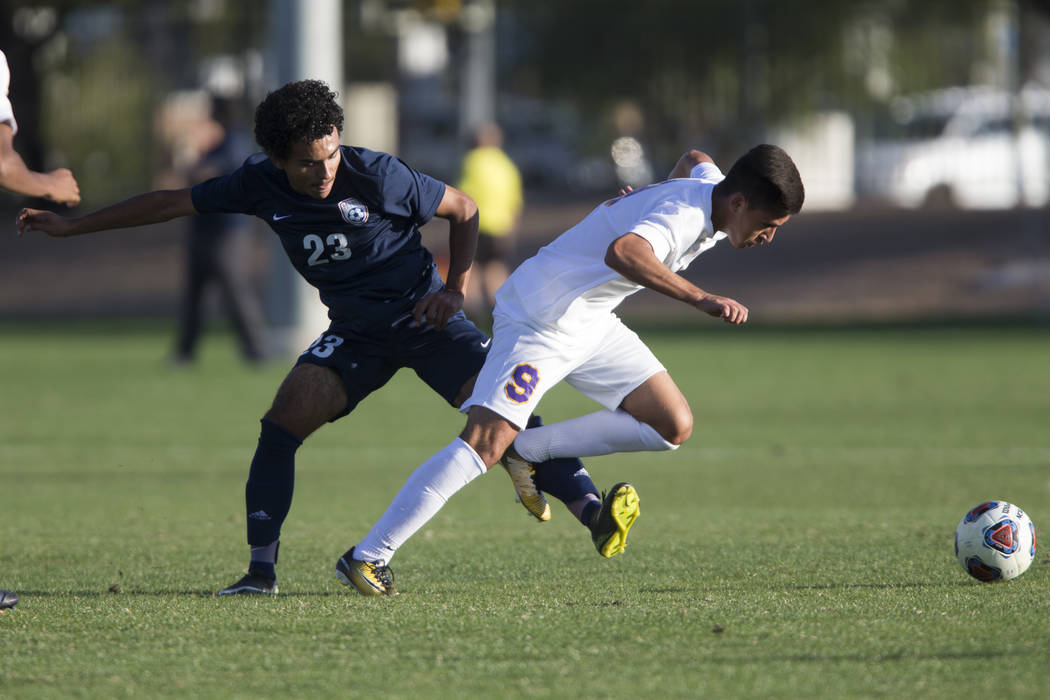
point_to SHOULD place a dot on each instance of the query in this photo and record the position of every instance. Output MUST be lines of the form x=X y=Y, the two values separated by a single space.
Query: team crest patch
x=353 y=211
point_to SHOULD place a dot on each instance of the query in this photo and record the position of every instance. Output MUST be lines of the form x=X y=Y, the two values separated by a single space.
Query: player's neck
x=719 y=209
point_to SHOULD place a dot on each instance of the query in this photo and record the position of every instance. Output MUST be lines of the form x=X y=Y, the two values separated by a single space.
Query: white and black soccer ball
x=995 y=541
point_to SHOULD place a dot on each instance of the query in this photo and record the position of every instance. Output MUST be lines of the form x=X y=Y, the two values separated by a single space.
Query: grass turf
x=799 y=544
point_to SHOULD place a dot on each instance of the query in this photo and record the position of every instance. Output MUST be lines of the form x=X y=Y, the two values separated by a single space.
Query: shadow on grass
x=905 y=656
x=160 y=593
x=813 y=587
x=663 y=590
x=870 y=586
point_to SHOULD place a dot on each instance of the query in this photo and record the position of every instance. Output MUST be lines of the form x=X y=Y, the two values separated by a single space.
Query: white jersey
x=567 y=284
x=6 y=113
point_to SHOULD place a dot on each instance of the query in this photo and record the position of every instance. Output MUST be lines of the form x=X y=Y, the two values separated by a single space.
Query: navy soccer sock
x=271 y=480
x=564 y=478
x=589 y=511
x=264 y=559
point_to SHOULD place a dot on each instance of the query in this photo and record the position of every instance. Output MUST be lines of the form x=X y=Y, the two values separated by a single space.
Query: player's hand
x=436 y=309
x=729 y=310
x=64 y=187
x=44 y=221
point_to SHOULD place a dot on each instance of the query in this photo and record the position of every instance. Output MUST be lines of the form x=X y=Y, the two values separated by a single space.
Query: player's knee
x=489 y=453
x=488 y=449
x=679 y=436
x=488 y=434
x=677 y=427
x=288 y=423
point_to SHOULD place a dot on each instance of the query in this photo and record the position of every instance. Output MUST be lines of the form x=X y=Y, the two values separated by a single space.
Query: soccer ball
x=995 y=541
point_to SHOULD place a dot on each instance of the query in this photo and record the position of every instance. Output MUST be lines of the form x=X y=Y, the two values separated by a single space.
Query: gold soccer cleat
x=521 y=473
x=366 y=577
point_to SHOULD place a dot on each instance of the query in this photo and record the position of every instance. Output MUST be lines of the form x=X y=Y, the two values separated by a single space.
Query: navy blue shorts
x=444 y=359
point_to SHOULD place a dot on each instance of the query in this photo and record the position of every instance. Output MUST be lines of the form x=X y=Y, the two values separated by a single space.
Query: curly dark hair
x=303 y=111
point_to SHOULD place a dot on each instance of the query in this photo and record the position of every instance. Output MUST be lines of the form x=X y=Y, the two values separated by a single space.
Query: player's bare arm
x=632 y=256
x=150 y=208
x=462 y=215
x=689 y=160
x=57 y=185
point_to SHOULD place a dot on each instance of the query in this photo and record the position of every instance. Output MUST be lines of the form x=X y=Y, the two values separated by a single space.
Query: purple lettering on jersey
x=523 y=381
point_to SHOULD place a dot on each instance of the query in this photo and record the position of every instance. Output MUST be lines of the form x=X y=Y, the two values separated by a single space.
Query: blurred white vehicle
x=966 y=147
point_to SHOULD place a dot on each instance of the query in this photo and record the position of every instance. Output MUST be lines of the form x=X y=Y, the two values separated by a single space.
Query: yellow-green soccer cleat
x=610 y=526
x=364 y=576
x=521 y=473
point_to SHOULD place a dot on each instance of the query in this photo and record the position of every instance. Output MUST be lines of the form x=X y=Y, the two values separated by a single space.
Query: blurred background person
x=57 y=186
x=490 y=177
x=212 y=242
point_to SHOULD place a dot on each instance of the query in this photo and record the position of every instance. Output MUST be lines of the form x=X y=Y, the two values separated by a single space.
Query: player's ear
x=737 y=202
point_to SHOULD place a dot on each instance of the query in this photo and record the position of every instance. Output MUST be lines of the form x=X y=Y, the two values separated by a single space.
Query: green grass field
x=800 y=545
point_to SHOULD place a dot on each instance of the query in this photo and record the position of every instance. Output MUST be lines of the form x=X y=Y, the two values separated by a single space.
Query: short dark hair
x=303 y=111
x=768 y=178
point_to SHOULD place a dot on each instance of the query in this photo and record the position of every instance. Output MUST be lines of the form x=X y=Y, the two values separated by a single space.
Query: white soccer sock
x=599 y=433
x=419 y=500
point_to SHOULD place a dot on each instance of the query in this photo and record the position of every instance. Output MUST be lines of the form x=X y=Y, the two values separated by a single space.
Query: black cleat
x=252 y=583
x=8 y=600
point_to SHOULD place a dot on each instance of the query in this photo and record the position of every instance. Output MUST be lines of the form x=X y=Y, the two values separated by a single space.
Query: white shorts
x=606 y=363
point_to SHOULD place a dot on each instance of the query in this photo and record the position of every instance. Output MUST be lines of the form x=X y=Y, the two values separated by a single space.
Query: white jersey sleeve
x=567 y=284
x=672 y=225
x=670 y=228
x=6 y=113
x=706 y=171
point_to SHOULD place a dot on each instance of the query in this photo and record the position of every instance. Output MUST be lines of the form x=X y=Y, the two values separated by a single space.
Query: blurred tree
x=88 y=76
x=726 y=69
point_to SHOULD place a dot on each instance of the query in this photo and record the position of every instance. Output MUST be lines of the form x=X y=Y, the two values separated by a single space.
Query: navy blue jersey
x=360 y=246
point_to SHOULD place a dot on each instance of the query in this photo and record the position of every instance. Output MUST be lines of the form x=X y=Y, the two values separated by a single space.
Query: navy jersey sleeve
x=226 y=194
x=409 y=193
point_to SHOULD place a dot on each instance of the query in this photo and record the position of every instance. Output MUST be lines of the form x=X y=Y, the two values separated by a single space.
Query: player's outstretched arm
x=15 y=176
x=632 y=256
x=149 y=208
x=462 y=215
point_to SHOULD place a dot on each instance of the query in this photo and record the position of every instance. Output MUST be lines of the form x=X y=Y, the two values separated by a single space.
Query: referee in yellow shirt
x=492 y=180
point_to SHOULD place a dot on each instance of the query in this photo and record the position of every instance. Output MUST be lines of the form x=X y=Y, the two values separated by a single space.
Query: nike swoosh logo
x=486 y=343
x=278 y=218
